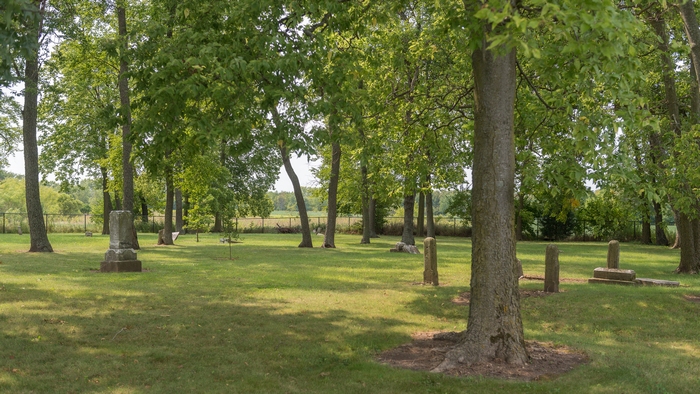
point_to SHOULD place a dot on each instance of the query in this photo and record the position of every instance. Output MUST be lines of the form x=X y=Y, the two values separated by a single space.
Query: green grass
x=279 y=319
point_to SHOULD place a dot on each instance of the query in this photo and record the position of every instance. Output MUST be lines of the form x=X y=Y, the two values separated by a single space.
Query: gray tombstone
x=120 y=257
x=614 y=254
x=430 y=273
x=551 y=269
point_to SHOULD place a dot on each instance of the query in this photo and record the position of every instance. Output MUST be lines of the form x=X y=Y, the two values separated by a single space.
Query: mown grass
x=279 y=319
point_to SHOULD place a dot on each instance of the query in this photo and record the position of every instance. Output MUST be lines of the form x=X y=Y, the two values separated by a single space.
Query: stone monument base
x=121 y=266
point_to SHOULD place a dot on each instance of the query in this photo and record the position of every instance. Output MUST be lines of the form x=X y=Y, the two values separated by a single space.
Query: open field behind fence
x=450 y=226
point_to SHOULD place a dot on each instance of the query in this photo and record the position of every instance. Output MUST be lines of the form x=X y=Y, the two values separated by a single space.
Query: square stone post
x=551 y=269
x=120 y=257
x=430 y=273
x=614 y=254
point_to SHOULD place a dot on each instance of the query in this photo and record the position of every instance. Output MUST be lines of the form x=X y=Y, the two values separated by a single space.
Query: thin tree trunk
x=168 y=219
x=646 y=231
x=494 y=329
x=178 y=210
x=186 y=212
x=217 y=215
x=217 y=223
x=144 y=210
x=329 y=238
x=366 y=221
x=127 y=168
x=306 y=241
x=420 y=225
x=409 y=200
x=430 y=219
x=39 y=241
x=659 y=227
x=106 y=202
x=373 y=217
x=519 y=217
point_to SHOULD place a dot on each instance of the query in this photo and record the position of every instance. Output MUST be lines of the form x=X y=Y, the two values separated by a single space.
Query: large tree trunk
x=366 y=221
x=329 y=238
x=409 y=200
x=689 y=262
x=106 y=202
x=659 y=227
x=420 y=224
x=373 y=216
x=168 y=219
x=306 y=241
x=39 y=240
x=178 y=210
x=494 y=329
x=646 y=231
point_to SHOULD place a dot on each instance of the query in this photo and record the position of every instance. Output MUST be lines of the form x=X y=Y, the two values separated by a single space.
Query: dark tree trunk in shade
x=39 y=241
x=178 y=210
x=306 y=241
x=329 y=238
x=494 y=329
x=429 y=217
x=686 y=228
x=144 y=210
x=117 y=201
x=186 y=211
x=217 y=223
x=519 y=218
x=420 y=225
x=106 y=202
x=373 y=217
x=646 y=232
x=409 y=200
x=659 y=228
x=367 y=223
x=168 y=219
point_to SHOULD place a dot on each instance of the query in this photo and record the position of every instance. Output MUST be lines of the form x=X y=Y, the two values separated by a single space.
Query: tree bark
x=106 y=202
x=329 y=238
x=39 y=240
x=373 y=217
x=420 y=224
x=144 y=210
x=186 y=211
x=168 y=219
x=646 y=231
x=519 y=217
x=494 y=329
x=366 y=221
x=659 y=228
x=217 y=223
x=409 y=200
x=429 y=214
x=127 y=168
x=178 y=210
x=688 y=263
x=306 y=241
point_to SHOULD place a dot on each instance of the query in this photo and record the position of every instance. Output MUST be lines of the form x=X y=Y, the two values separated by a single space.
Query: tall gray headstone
x=614 y=254
x=551 y=269
x=120 y=257
x=430 y=273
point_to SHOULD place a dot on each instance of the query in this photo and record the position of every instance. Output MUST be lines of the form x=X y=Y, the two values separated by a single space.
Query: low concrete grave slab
x=614 y=274
x=611 y=281
x=657 y=282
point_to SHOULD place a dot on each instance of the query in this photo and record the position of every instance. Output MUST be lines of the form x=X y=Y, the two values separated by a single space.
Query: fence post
x=634 y=225
x=290 y=222
x=318 y=222
x=348 y=221
x=85 y=221
x=153 y=224
x=236 y=224
x=263 y=225
x=454 y=226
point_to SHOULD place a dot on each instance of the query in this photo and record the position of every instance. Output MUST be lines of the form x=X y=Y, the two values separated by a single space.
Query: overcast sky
x=301 y=166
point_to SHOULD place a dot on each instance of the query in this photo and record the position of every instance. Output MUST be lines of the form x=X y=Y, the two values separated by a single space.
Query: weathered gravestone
x=402 y=247
x=430 y=273
x=120 y=257
x=551 y=269
x=614 y=254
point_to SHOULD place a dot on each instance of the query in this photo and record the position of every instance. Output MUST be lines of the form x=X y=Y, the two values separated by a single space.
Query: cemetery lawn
x=279 y=319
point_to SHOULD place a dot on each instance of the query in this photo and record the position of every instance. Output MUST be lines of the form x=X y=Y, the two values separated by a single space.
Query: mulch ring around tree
x=427 y=351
